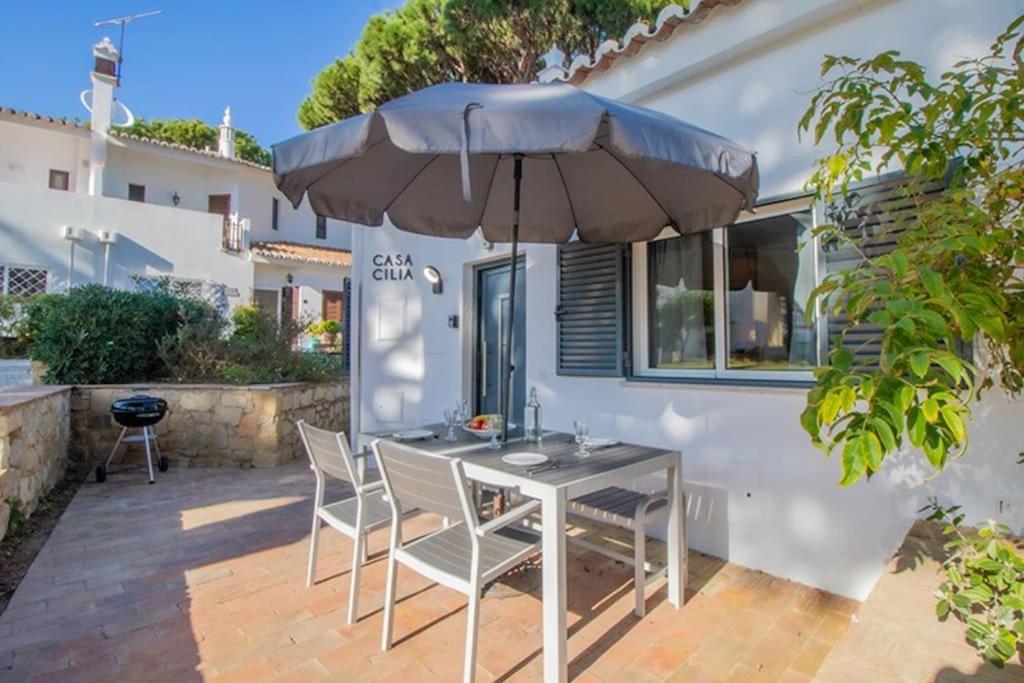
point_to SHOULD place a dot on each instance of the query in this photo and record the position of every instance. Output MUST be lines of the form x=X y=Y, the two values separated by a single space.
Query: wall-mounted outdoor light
x=289 y=278
x=433 y=276
x=175 y=198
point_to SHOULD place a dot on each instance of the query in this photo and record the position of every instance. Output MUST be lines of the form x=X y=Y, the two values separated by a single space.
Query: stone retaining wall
x=214 y=425
x=33 y=446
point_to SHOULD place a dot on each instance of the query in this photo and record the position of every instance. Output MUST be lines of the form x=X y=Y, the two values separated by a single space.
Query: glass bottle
x=531 y=418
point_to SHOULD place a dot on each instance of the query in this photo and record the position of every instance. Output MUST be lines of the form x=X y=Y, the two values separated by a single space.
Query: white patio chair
x=329 y=455
x=629 y=510
x=463 y=556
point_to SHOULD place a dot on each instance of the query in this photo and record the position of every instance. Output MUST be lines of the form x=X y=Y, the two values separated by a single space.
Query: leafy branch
x=955 y=274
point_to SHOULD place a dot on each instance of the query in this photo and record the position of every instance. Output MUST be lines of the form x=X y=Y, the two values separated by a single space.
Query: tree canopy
x=424 y=42
x=198 y=134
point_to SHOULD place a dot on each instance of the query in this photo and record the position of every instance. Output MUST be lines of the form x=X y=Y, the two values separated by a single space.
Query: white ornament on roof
x=105 y=49
x=227 y=116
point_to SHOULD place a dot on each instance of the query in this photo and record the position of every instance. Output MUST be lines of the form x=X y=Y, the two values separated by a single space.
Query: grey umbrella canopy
x=522 y=162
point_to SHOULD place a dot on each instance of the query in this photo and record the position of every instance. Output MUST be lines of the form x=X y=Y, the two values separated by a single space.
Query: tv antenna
x=122 y=22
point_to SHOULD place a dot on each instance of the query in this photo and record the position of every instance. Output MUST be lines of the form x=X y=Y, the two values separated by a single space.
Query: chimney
x=104 y=81
x=226 y=142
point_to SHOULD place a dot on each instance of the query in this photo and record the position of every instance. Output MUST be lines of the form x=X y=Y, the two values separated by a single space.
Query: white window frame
x=721 y=371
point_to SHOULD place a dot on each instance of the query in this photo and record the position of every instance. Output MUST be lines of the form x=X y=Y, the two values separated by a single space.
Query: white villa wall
x=152 y=240
x=166 y=171
x=294 y=225
x=312 y=279
x=30 y=148
x=759 y=494
x=27 y=153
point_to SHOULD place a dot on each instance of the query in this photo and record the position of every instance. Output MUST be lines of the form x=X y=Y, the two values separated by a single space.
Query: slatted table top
x=559 y=447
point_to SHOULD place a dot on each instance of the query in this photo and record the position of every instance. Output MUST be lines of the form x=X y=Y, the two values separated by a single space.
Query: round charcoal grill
x=138 y=412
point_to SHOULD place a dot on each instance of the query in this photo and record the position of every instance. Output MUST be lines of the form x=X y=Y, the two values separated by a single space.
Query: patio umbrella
x=532 y=163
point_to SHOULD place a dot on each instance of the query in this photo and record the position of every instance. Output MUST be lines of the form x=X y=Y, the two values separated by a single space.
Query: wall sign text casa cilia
x=391 y=267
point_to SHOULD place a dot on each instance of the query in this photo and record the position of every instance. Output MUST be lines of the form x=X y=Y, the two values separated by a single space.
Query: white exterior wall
x=27 y=153
x=312 y=279
x=152 y=240
x=294 y=225
x=183 y=240
x=759 y=494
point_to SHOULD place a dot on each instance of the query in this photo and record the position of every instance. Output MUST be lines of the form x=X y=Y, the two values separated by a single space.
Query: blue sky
x=257 y=56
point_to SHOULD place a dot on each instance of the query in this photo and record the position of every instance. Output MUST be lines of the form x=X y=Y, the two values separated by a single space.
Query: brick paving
x=201 y=577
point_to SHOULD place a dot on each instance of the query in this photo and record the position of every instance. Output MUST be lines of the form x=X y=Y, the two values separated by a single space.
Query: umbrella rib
x=411 y=181
x=668 y=217
x=568 y=197
x=335 y=167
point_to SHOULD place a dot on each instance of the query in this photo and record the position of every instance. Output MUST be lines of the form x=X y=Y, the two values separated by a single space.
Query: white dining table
x=554 y=488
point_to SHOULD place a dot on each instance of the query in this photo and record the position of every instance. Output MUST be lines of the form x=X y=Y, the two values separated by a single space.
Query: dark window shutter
x=874 y=216
x=346 y=326
x=591 y=311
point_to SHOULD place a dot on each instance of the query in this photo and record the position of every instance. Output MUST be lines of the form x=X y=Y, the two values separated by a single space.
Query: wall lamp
x=433 y=276
x=176 y=198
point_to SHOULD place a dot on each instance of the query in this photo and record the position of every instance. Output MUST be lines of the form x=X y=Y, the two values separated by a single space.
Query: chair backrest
x=328 y=452
x=417 y=479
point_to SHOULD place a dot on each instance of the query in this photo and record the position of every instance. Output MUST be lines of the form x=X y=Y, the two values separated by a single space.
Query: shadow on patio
x=201 y=577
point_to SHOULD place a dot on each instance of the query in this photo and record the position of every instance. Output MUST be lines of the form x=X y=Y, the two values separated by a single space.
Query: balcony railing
x=234 y=235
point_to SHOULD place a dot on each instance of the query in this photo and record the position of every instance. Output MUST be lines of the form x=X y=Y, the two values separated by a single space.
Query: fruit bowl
x=482 y=427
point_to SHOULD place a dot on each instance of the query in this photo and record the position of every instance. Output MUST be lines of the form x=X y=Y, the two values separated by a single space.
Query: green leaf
x=955 y=423
x=942 y=609
x=930 y=408
x=919 y=363
x=916 y=425
x=853 y=465
x=829 y=408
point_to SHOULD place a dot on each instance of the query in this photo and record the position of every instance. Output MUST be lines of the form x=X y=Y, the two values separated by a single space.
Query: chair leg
x=639 y=573
x=314 y=539
x=389 y=602
x=472 y=631
x=357 y=562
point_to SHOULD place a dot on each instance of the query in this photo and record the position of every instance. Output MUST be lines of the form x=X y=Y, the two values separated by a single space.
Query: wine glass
x=495 y=426
x=462 y=410
x=451 y=417
x=582 y=434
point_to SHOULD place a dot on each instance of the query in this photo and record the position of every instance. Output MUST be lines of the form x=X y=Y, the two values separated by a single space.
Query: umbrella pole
x=506 y=373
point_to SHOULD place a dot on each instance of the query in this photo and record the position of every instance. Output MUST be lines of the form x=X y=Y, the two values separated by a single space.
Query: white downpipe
x=106 y=262
x=71 y=264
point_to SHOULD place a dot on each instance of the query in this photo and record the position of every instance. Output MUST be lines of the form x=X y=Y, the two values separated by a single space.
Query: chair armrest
x=504 y=520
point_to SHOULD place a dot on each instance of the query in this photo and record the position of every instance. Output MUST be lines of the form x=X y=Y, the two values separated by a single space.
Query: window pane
x=136 y=193
x=680 y=291
x=770 y=280
x=59 y=180
x=321 y=227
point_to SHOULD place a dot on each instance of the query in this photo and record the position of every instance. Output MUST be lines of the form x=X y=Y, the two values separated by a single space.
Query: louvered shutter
x=346 y=326
x=591 y=311
x=874 y=217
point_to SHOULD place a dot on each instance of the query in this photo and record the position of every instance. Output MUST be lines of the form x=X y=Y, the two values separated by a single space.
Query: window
x=60 y=180
x=18 y=281
x=136 y=193
x=729 y=303
x=275 y=206
x=770 y=278
x=321 y=227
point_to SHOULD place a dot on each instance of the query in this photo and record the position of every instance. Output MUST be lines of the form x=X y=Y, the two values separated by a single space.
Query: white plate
x=600 y=442
x=413 y=434
x=524 y=459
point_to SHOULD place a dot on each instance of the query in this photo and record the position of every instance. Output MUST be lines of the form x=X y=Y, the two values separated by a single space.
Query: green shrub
x=13 y=343
x=96 y=335
x=257 y=351
x=325 y=327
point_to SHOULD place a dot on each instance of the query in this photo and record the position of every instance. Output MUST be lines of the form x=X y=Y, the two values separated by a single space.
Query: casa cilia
x=388 y=267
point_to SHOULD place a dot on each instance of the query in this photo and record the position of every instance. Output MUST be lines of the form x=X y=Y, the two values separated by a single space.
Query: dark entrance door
x=492 y=287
